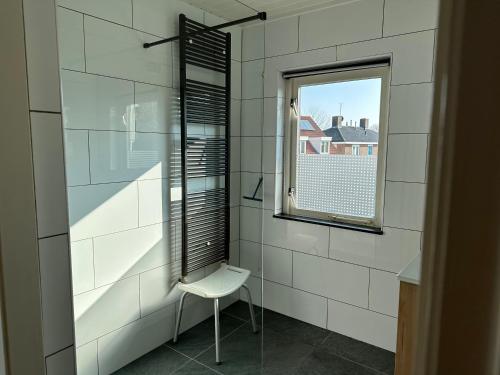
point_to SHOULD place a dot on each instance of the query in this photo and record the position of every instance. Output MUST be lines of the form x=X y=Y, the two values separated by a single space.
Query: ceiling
x=234 y=9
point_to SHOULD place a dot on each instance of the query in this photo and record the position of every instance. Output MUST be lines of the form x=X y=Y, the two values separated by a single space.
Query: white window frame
x=303 y=142
x=357 y=148
x=291 y=143
x=327 y=147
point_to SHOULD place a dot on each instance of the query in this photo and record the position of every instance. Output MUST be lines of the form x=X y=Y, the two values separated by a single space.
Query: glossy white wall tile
x=61 y=363
x=50 y=180
x=156 y=109
x=274 y=85
x=128 y=156
x=252 y=82
x=295 y=303
x=76 y=152
x=361 y=324
x=282 y=36
x=235 y=156
x=55 y=281
x=162 y=17
x=251 y=149
x=252 y=42
x=274 y=117
x=107 y=43
x=251 y=117
x=153 y=201
x=236 y=80
x=94 y=102
x=70 y=39
x=277 y=264
x=336 y=280
x=404 y=205
x=411 y=108
x=273 y=184
x=390 y=252
x=408 y=16
x=101 y=209
x=234 y=223
x=251 y=257
x=41 y=55
x=293 y=235
x=86 y=359
x=117 y=11
x=235 y=118
x=384 y=292
x=412 y=55
x=272 y=154
x=235 y=189
x=106 y=309
x=346 y=23
x=234 y=253
x=117 y=256
x=407 y=157
x=251 y=224
x=132 y=341
x=159 y=288
x=82 y=266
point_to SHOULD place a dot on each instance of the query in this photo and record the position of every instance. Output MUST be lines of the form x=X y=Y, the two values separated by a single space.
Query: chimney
x=364 y=123
x=337 y=121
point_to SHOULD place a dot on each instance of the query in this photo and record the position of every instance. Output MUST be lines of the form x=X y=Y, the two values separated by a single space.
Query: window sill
x=331 y=223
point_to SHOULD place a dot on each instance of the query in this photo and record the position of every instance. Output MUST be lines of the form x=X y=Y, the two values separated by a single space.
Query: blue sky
x=359 y=99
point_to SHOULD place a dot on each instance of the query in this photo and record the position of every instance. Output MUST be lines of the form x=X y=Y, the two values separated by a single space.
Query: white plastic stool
x=226 y=280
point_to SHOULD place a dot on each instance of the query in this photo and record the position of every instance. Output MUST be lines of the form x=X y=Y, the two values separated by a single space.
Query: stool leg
x=250 y=305
x=217 y=331
x=179 y=316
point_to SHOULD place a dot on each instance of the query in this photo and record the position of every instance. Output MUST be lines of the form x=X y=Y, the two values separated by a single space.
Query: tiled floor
x=284 y=346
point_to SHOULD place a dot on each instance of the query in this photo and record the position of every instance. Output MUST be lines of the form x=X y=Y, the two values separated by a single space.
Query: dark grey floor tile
x=295 y=329
x=162 y=360
x=360 y=352
x=244 y=353
x=240 y=310
x=202 y=336
x=194 y=368
x=321 y=362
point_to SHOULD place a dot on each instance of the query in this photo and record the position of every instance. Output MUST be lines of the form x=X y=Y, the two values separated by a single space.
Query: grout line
x=323 y=257
x=89 y=154
x=93 y=263
x=84 y=44
x=369 y=282
x=59 y=351
x=383 y=18
x=118 y=78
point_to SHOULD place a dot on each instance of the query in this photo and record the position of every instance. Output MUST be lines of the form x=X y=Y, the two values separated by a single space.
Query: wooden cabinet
x=407 y=328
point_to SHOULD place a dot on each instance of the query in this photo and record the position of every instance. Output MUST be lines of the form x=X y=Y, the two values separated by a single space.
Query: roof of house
x=351 y=134
x=309 y=128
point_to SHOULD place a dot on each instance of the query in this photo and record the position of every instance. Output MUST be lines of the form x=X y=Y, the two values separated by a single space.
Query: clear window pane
x=337 y=172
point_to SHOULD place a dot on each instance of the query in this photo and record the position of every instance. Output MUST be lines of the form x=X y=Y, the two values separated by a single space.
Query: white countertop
x=411 y=273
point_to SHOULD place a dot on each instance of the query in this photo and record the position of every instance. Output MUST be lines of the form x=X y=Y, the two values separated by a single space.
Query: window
x=325 y=147
x=303 y=147
x=370 y=150
x=355 y=150
x=339 y=180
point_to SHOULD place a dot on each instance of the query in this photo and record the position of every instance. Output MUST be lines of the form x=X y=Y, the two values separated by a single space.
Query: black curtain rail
x=259 y=16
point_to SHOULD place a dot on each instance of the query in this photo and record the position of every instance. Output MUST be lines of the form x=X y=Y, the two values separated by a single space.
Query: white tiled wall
x=50 y=183
x=336 y=278
x=121 y=127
